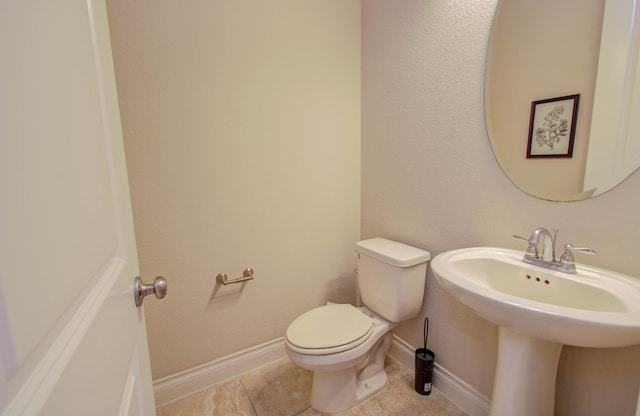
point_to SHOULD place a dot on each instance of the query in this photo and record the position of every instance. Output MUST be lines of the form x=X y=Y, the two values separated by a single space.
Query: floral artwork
x=552 y=127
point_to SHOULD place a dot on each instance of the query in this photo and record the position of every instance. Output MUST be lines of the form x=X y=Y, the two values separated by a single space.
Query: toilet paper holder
x=247 y=275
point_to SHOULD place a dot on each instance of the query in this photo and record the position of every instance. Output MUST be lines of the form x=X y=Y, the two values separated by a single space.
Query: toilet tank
x=391 y=277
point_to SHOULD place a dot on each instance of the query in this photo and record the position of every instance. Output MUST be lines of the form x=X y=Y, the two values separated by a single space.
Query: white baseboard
x=176 y=386
x=457 y=390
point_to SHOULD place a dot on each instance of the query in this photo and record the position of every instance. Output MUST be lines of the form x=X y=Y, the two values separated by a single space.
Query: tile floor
x=282 y=389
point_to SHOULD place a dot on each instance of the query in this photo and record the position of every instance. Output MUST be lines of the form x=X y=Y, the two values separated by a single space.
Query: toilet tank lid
x=392 y=252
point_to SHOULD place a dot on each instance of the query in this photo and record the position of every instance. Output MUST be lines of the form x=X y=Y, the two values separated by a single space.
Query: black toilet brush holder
x=424 y=365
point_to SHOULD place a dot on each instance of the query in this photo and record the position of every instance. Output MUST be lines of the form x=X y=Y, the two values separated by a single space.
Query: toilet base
x=337 y=391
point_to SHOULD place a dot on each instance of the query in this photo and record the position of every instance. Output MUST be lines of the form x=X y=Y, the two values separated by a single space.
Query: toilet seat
x=329 y=329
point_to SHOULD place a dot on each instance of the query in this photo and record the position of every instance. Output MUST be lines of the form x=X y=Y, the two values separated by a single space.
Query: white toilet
x=345 y=346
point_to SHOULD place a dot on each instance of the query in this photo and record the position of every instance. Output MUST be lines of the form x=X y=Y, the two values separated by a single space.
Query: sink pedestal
x=525 y=381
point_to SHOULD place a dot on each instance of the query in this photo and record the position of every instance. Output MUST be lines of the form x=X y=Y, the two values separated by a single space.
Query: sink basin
x=592 y=308
x=538 y=311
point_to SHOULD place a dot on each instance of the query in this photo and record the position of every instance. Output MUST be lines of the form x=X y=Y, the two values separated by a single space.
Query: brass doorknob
x=140 y=289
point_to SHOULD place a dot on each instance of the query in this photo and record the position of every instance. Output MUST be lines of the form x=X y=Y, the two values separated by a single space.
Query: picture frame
x=552 y=127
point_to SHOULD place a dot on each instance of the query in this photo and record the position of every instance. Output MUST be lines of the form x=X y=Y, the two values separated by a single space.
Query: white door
x=72 y=341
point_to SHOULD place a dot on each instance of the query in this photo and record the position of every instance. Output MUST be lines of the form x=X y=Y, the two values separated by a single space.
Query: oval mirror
x=560 y=95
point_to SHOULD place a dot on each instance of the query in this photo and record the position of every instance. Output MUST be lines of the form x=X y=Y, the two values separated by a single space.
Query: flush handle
x=140 y=289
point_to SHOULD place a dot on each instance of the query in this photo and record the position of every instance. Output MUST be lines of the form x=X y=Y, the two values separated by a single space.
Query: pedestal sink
x=538 y=311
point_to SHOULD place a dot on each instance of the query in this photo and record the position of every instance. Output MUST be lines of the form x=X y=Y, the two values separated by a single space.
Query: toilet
x=345 y=346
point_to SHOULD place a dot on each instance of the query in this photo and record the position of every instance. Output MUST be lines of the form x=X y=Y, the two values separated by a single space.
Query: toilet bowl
x=345 y=346
x=348 y=361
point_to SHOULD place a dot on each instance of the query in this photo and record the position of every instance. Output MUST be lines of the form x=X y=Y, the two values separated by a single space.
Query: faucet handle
x=569 y=248
x=532 y=249
x=567 y=261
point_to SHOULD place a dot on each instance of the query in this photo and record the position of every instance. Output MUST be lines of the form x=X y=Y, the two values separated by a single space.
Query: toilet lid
x=330 y=326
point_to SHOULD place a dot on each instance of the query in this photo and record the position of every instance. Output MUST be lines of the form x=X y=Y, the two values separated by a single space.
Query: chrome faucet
x=548 y=243
x=548 y=260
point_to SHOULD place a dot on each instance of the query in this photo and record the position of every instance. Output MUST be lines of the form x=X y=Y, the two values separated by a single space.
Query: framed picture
x=552 y=127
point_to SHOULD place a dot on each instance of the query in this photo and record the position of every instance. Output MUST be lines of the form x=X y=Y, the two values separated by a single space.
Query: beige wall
x=429 y=178
x=242 y=129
